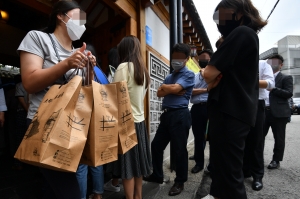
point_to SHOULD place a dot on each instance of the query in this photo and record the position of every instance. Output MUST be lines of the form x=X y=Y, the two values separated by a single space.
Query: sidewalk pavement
x=157 y=191
x=28 y=183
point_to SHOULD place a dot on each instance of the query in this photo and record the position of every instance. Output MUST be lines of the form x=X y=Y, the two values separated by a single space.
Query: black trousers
x=278 y=126
x=227 y=143
x=59 y=185
x=254 y=156
x=174 y=126
x=199 y=122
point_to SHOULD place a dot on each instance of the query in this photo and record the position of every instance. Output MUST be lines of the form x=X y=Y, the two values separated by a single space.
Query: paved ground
x=156 y=191
x=28 y=183
x=283 y=183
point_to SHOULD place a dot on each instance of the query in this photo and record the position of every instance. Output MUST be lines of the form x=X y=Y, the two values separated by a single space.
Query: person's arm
x=3 y=107
x=197 y=91
x=23 y=103
x=172 y=88
x=161 y=93
x=210 y=73
x=267 y=77
x=287 y=88
x=35 y=78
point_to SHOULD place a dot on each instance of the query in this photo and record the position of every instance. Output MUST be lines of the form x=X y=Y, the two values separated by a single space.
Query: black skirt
x=137 y=161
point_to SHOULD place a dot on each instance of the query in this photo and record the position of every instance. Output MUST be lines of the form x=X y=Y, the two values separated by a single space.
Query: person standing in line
x=232 y=100
x=3 y=106
x=278 y=109
x=253 y=164
x=20 y=117
x=175 y=121
x=135 y=163
x=47 y=57
x=199 y=112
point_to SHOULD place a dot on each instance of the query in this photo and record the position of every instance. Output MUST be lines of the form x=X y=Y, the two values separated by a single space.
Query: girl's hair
x=60 y=7
x=113 y=57
x=251 y=17
x=129 y=50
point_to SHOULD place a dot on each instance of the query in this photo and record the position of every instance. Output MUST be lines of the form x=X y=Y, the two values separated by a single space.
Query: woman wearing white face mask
x=47 y=57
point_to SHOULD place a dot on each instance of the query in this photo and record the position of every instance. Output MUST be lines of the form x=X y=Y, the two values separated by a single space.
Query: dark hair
x=251 y=17
x=129 y=50
x=182 y=48
x=219 y=42
x=60 y=7
x=277 y=56
x=208 y=51
x=91 y=48
x=113 y=57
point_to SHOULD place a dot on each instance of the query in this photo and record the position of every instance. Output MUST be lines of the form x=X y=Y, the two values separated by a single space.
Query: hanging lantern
x=4 y=15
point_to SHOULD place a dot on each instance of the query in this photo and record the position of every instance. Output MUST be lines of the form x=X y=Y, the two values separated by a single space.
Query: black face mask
x=203 y=64
x=229 y=26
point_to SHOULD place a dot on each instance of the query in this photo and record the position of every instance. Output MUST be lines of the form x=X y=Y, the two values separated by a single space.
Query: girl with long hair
x=136 y=163
x=232 y=77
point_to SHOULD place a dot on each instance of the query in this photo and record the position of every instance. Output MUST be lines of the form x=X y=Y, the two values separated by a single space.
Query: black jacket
x=279 y=96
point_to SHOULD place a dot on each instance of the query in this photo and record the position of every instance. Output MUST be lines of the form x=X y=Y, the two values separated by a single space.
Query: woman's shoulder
x=124 y=65
x=245 y=30
x=37 y=33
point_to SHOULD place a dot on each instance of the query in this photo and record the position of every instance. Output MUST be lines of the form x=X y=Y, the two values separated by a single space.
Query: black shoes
x=192 y=158
x=152 y=178
x=274 y=165
x=196 y=169
x=176 y=189
x=257 y=184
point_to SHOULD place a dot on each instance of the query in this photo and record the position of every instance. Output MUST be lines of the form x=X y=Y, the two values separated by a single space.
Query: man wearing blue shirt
x=175 y=120
x=199 y=112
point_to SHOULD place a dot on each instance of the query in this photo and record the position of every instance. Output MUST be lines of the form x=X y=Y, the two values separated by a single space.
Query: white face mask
x=177 y=64
x=75 y=30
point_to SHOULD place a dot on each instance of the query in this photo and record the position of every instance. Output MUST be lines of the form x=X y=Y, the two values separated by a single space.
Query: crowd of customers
x=230 y=80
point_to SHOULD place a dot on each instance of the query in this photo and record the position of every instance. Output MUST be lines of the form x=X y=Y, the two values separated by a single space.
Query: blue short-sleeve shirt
x=185 y=78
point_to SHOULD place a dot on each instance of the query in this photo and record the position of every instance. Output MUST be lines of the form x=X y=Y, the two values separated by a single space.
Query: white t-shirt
x=39 y=43
x=136 y=92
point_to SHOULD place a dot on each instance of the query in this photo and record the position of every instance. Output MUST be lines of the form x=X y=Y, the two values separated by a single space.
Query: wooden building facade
x=108 y=21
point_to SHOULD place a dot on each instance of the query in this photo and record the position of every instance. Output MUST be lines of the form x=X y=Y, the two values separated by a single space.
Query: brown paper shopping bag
x=127 y=134
x=102 y=142
x=56 y=137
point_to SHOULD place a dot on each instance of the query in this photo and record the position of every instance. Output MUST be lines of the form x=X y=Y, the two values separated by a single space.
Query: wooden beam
x=99 y=15
x=157 y=54
x=186 y=24
x=148 y=3
x=196 y=40
x=91 y=7
x=167 y=2
x=187 y=39
x=157 y=1
x=194 y=36
x=123 y=7
x=185 y=17
x=162 y=13
x=37 y=6
x=189 y=30
x=131 y=27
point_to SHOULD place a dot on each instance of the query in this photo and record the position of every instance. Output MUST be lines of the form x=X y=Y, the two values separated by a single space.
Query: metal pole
x=179 y=21
x=173 y=41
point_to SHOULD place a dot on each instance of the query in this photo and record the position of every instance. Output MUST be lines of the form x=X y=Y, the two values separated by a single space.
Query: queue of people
x=230 y=80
